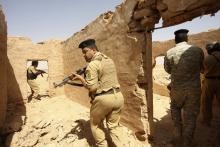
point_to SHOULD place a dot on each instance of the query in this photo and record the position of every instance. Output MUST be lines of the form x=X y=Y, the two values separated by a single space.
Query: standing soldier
x=184 y=63
x=32 y=73
x=211 y=84
x=104 y=90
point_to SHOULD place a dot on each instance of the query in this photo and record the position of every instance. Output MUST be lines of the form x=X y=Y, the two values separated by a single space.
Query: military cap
x=181 y=31
x=34 y=62
x=86 y=43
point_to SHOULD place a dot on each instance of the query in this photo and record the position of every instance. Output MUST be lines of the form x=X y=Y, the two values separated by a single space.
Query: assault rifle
x=41 y=72
x=68 y=78
x=32 y=76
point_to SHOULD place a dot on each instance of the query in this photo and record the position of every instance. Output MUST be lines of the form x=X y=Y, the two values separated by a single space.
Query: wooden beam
x=149 y=85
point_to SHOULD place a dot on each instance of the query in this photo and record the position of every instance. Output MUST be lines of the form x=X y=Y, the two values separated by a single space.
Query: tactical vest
x=107 y=74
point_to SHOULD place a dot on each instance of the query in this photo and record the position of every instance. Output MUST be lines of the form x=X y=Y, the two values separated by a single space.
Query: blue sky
x=42 y=20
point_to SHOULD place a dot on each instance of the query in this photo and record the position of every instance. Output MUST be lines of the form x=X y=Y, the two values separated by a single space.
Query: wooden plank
x=148 y=76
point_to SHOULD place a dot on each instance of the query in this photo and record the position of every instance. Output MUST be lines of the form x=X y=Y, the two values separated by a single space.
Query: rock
x=141 y=135
x=146 y=12
x=42 y=124
x=71 y=138
x=161 y=6
x=52 y=135
x=31 y=140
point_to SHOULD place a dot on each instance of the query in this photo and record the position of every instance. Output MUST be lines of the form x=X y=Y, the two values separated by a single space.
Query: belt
x=213 y=77
x=110 y=91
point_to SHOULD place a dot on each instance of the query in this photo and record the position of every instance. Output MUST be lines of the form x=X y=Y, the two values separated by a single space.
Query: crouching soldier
x=32 y=73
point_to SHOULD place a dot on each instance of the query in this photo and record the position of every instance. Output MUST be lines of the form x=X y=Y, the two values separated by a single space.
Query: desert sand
x=60 y=122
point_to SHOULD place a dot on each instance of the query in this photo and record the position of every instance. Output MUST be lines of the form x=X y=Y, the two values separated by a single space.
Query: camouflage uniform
x=184 y=63
x=108 y=102
x=211 y=85
x=32 y=83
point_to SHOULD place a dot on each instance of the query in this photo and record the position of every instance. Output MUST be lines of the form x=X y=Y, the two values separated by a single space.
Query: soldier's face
x=88 y=54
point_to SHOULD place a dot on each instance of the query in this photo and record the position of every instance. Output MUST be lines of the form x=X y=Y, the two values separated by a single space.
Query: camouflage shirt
x=184 y=63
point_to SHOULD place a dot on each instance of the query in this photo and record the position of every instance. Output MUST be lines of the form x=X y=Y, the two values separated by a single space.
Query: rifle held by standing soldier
x=69 y=78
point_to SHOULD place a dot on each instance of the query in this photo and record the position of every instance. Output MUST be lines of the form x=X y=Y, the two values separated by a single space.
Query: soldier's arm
x=33 y=70
x=167 y=65
x=202 y=61
x=91 y=77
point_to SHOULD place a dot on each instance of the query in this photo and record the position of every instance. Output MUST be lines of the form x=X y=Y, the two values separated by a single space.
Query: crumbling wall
x=174 y=12
x=148 y=12
x=121 y=35
x=21 y=49
x=113 y=38
x=3 y=67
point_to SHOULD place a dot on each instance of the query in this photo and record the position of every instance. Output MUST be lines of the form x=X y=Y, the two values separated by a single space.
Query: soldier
x=184 y=63
x=104 y=90
x=32 y=73
x=211 y=83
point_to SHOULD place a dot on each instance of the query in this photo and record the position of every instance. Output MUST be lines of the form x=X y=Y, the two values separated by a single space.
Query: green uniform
x=184 y=63
x=31 y=80
x=108 y=102
x=211 y=85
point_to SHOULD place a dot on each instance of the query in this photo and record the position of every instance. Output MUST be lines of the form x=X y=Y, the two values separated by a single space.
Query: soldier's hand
x=77 y=76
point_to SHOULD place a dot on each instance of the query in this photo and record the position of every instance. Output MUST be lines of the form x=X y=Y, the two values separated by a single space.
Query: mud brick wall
x=3 y=67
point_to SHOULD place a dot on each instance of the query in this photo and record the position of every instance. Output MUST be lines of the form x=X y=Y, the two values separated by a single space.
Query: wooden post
x=148 y=76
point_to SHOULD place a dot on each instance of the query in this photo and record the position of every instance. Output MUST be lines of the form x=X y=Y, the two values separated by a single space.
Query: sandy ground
x=60 y=122
x=204 y=136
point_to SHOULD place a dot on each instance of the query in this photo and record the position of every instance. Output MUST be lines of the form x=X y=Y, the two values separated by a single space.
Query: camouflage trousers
x=34 y=88
x=210 y=89
x=185 y=106
x=107 y=107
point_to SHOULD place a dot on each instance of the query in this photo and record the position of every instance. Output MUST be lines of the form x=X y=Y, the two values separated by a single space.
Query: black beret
x=181 y=31
x=86 y=43
x=34 y=62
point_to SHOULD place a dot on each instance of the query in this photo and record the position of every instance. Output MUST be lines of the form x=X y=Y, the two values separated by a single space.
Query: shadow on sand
x=205 y=136
x=16 y=110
